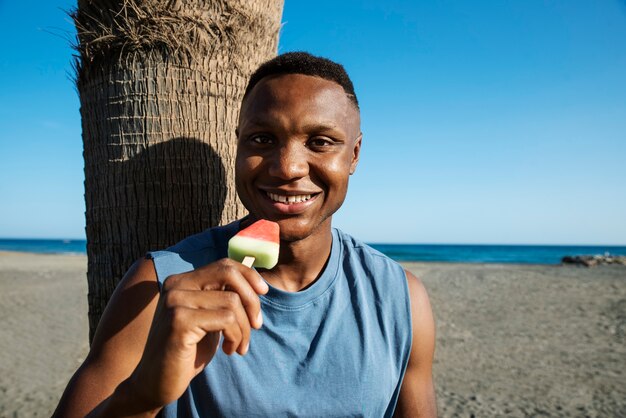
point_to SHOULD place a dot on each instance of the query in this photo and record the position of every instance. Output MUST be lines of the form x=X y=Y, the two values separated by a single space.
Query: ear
x=356 y=152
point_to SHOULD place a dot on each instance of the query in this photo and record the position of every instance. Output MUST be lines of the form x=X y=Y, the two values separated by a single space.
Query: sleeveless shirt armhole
x=192 y=252
x=167 y=263
x=175 y=259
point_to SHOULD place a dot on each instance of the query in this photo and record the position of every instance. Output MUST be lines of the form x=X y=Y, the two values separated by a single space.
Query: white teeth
x=288 y=199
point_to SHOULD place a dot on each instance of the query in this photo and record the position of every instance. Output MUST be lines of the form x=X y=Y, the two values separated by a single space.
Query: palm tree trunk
x=160 y=83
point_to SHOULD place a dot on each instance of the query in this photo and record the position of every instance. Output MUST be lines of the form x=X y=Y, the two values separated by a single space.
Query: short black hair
x=307 y=64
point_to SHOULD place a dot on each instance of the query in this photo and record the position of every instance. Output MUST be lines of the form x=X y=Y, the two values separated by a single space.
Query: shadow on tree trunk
x=154 y=198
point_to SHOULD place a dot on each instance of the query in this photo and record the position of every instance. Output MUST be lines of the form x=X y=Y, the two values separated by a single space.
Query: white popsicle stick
x=248 y=261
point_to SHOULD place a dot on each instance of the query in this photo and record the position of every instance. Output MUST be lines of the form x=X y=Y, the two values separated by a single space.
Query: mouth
x=289 y=199
x=290 y=203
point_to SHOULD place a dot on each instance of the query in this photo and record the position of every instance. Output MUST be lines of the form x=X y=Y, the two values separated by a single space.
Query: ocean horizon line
x=438 y=252
x=375 y=243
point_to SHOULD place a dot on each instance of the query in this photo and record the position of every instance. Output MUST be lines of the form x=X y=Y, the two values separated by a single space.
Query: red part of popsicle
x=262 y=229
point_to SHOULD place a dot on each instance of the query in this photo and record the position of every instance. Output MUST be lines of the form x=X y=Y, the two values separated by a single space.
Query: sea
x=517 y=254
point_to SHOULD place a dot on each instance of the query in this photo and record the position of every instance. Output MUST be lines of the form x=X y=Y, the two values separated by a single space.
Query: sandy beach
x=43 y=329
x=513 y=340
x=528 y=340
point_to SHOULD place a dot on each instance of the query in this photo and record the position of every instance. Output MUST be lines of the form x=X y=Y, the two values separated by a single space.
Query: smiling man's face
x=298 y=142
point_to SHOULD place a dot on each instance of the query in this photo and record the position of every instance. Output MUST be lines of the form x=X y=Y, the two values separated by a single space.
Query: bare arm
x=118 y=343
x=148 y=346
x=417 y=394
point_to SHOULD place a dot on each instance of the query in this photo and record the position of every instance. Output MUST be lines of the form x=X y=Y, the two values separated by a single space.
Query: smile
x=288 y=199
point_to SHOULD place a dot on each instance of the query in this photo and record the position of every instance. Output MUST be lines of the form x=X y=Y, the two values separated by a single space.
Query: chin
x=291 y=232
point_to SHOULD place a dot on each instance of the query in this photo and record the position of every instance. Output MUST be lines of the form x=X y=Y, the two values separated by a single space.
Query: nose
x=289 y=162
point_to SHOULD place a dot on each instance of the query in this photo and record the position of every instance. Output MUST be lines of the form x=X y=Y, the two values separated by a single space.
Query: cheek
x=337 y=172
x=244 y=166
x=244 y=169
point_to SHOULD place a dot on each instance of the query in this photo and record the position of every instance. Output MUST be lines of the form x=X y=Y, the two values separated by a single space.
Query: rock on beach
x=594 y=260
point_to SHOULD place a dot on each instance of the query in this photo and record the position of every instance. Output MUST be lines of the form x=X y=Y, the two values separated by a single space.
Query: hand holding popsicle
x=197 y=307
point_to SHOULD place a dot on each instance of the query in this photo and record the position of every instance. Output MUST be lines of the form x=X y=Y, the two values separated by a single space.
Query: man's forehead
x=312 y=96
x=295 y=85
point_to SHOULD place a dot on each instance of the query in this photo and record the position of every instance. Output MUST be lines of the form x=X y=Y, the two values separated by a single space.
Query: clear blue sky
x=484 y=121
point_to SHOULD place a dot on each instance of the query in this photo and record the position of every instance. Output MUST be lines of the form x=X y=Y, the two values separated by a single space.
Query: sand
x=519 y=340
x=43 y=329
x=513 y=340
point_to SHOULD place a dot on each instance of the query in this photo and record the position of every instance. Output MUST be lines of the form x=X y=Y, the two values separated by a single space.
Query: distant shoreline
x=26 y=253
x=424 y=253
x=404 y=263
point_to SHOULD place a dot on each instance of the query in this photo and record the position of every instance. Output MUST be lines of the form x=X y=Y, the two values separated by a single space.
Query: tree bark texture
x=160 y=84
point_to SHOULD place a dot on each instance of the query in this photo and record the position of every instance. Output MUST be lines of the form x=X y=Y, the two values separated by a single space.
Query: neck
x=301 y=262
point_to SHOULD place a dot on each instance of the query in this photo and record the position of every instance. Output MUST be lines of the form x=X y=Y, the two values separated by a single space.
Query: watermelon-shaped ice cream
x=257 y=245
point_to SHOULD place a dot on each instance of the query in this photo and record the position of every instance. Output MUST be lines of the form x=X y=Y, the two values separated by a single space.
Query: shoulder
x=417 y=394
x=382 y=279
x=353 y=248
x=370 y=268
x=422 y=323
x=208 y=239
x=193 y=252
x=137 y=291
x=417 y=291
x=118 y=343
x=421 y=311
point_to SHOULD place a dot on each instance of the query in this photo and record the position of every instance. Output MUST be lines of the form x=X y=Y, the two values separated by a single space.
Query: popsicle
x=256 y=245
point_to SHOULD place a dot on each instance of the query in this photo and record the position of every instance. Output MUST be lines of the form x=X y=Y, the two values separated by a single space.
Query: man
x=335 y=329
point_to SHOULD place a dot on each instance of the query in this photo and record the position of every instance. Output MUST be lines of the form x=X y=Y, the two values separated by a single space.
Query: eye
x=320 y=142
x=261 y=139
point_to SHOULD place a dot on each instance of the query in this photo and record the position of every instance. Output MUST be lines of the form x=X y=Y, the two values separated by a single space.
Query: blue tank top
x=338 y=348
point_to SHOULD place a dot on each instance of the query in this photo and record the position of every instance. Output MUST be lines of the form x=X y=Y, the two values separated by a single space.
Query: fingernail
x=259 y=319
x=245 y=350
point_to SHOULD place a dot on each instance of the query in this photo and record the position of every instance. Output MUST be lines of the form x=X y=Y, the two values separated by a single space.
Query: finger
x=232 y=301
x=213 y=300
x=239 y=279
x=194 y=324
x=233 y=337
x=249 y=299
x=226 y=275
x=227 y=268
x=256 y=281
